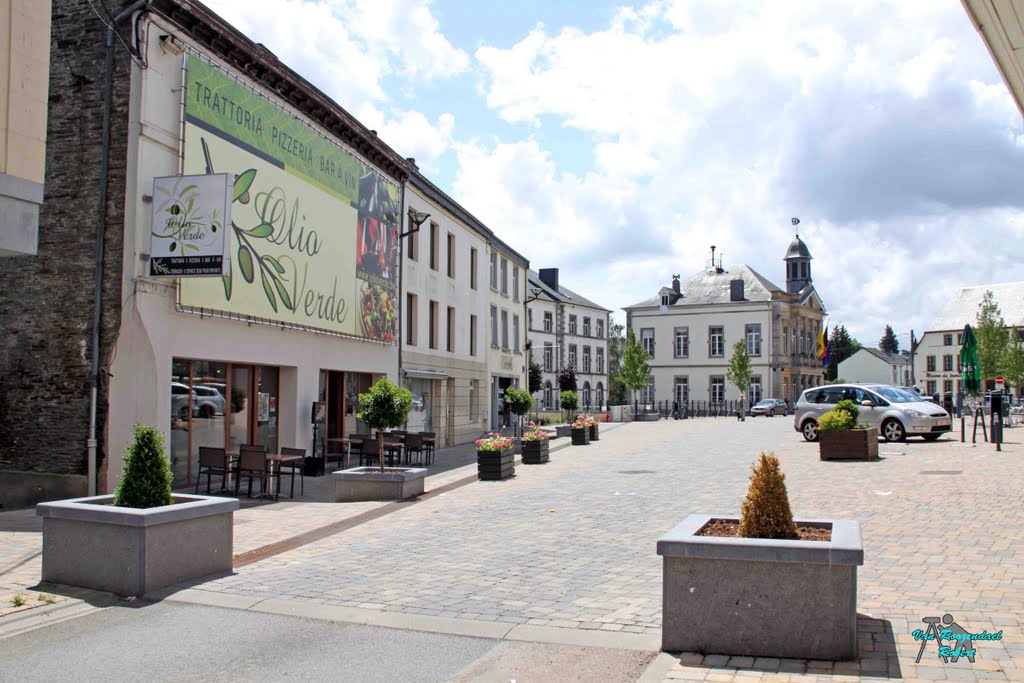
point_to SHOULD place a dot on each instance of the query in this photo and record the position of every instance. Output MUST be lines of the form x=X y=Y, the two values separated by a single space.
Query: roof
x=891 y=358
x=713 y=287
x=963 y=308
x=563 y=295
x=1000 y=25
x=797 y=249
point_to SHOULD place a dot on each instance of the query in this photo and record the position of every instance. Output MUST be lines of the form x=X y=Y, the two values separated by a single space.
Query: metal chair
x=296 y=465
x=213 y=461
x=413 y=444
x=370 y=451
x=252 y=463
x=428 y=446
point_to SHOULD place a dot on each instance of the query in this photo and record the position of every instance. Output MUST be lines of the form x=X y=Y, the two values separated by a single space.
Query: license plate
x=942 y=423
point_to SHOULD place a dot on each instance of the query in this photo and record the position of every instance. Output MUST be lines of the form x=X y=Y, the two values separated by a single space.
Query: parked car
x=181 y=399
x=769 y=407
x=209 y=401
x=897 y=412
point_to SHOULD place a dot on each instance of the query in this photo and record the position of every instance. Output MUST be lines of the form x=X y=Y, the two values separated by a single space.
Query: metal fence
x=688 y=409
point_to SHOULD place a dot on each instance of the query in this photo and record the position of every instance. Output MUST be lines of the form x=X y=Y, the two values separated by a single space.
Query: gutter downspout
x=101 y=224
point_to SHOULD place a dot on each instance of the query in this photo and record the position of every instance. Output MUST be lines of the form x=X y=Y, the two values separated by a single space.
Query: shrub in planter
x=494 y=457
x=146 y=479
x=535 y=445
x=841 y=438
x=385 y=406
x=765 y=512
x=568 y=400
x=580 y=431
x=519 y=402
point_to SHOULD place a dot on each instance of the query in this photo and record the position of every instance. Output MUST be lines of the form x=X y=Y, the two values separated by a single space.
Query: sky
x=618 y=142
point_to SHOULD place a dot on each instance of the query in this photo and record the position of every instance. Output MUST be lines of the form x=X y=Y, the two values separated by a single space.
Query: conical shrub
x=765 y=512
x=146 y=479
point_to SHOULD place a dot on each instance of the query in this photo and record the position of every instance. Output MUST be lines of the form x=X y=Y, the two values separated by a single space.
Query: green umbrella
x=970 y=378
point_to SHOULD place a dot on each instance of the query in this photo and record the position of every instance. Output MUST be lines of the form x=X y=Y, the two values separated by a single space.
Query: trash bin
x=947 y=402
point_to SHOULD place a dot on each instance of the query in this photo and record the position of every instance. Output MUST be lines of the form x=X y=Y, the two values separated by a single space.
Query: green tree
x=146 y=479
x=567 y=378
x=843 y=346
x=738 y=371
x=519 y=402
x=993 y=337
x=569 y=400
x=616 y=344
x=384 y=406
x=888 y=343
x=536 y=377
x=1013 y=360
x=635 y=372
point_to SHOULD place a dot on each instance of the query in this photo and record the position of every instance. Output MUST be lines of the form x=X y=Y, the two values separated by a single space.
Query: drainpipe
x=101 y=222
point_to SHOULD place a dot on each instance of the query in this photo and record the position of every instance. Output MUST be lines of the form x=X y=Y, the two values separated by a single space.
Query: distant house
x=874 y=365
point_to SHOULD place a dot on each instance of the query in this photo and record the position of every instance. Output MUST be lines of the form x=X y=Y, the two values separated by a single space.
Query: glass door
x=265 y=426
x=241 y=407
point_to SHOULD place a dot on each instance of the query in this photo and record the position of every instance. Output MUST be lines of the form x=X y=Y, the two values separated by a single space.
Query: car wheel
x=206 y=412
x=810 y=430
x=930 y=437
x=771 y=413
x=183 y=414
x=893 y=430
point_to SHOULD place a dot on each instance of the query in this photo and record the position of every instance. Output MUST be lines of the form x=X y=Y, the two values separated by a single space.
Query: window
x=716 y=342
x=682 y=391
x=572 y=324
x=947 y=363
x=451 y=330
x=600 y=395
x=586 y=327
x=504 y=330
x=504 y=275
x=547 y=321
x=947 y=386
x=529 y=318
x=547 y=396
x=515 y=283
x=930 y=390
x=1020 y=334
x=434 y=246
x=600 y=360
x=664 y=299
x=930 y=360
x=753 y=334
x=411 y=319
x=947 y=340
x=600 y=328
x=647 y=339
x=647 y=393
x=785 y=340
x=433 y=324
x=515 y=333
x=474 y=387
x=494 y=271
x=682 y=349
x=472 y=335
x=549 y=357
x=586 y=395
x=572 y=354
x=754 y=390
x=586 y=359
x=717 y=390
x=414 y=242
x=451 y=255
x=494 y=327
x=472 y=268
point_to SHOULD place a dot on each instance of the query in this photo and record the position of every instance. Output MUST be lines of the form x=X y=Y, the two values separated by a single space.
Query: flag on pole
x=795 y=221
x=823 y=346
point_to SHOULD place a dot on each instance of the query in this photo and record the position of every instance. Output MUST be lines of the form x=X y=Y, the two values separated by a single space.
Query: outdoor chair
x=429 y=439
x=293 y=467
x=252 y=463
x=369 y=452
x=213 y=461
x=413 y=444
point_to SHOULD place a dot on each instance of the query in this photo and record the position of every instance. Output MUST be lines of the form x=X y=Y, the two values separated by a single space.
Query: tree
x=568 y=400
x=1013 y=360
x=567 y=377
x=146 y=479
x=519 y=402
x=616 y=343
x=635 y=373
x=993 y=337
x=536 y=377
x=888 y=343
x=384 y=406
x=843 y=346
x=738 y=371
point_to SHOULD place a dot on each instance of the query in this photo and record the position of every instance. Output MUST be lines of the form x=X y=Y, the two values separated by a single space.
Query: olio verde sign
x=313 y=238
x=189 y=215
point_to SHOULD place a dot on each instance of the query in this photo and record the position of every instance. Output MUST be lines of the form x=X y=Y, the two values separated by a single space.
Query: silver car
x=769 y=407
x=897 y=412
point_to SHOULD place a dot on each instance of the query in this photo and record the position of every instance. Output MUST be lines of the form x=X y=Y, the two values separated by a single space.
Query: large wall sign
x=189 y=217
x=314 y=229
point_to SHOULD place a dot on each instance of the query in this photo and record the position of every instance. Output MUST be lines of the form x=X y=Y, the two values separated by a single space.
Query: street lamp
x=416 y=218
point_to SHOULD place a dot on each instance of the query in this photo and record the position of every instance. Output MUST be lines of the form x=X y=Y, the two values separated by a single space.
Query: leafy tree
x=993 y=337
x=1013 y=360
x=384 y=406
x=536 y=377
x=635 y=373
x=616 y=344
x=843 y=346
x=519 y=402
x=738 y=371
x=567 y=377
x=568 y=400
x=146 y=479
x=888 y=343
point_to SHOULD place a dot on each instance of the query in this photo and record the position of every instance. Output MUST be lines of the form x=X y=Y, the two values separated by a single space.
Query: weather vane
x=795 y=221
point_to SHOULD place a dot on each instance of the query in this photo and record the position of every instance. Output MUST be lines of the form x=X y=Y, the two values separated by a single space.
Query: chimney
x=675 y=284
x=735 y=290
x=549 y=276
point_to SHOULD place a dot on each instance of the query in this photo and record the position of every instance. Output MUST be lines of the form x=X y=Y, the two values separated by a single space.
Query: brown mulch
x=806 y=533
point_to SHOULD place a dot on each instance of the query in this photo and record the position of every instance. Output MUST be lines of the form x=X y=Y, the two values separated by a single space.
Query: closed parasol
x=970 y=377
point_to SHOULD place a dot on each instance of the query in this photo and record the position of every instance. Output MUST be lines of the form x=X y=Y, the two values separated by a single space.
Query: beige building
x=24 y=77
x=877 y=367
x=506 y=327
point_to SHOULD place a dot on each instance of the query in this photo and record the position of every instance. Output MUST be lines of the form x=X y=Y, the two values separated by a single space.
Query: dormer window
x=664 y=299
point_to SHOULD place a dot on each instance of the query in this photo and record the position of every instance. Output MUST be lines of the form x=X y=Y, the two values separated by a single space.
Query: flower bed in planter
x=536 y=452
x=369 y=483
x=91 y=543
x=580 y=436
x=495 y=458
x=761 y=597
x=850 y=444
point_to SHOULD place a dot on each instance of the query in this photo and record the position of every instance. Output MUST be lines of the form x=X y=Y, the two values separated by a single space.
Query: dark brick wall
x=46 y=301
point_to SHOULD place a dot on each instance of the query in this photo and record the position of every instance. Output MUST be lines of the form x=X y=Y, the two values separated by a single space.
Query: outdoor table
x=274 y=461
x=346 y=444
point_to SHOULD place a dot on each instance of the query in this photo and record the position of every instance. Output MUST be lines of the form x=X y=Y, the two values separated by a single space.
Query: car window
x=834 y=394
x=178 y=389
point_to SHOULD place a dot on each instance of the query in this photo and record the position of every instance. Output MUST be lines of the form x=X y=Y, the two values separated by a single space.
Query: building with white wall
x=506 y=327
x=877 y=367
x=689 y=328
x=565 y=329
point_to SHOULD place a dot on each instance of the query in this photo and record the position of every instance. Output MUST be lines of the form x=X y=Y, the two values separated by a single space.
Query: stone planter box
x=536 y=452
x=594 y=432
x=562 y=430
x=581 y=436
x=852 y=444
x=648 y=417
x=90 y=543
x=759 y=597
x=369 y=483
x=495 y=465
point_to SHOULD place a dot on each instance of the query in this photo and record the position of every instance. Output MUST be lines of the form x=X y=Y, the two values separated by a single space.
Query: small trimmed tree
x=146 y=479
x=385 y=406
x=568 y=400
x=738 y=371
x=636 y=373
x=765 y=512
x=519 y=402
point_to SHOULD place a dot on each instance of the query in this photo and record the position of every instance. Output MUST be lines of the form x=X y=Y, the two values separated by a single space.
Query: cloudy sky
x=617 y=142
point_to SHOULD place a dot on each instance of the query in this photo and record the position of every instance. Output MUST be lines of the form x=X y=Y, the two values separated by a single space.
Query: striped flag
x=823 y=346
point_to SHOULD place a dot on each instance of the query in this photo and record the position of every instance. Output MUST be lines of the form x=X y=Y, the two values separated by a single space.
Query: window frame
x=684 y=334
x=714 y=336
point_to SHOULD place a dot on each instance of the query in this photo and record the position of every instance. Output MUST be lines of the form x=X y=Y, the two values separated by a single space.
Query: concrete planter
x=536 y=452
x=562 y=430
x=90 y=543
x=852 y=444
x=581 y=436
x=760 y=597
x=648 y=417
x=594 y=432
x=495 y=465
x=369 y=483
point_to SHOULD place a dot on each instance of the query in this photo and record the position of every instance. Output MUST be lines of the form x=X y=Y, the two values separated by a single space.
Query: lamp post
x=416 y=219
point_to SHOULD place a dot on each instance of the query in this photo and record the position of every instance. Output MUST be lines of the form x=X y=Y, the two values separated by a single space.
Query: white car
x=897 y=412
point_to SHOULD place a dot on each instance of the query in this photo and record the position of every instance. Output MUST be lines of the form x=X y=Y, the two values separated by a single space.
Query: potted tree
x=738 y=373
x=568 y=400
x=494 y=457
x=636 y=372
x=518 y=402
x=535 y=445
x=384 y=406
x=841 y=438
x=761 y=584
x=580 y=431
x=131 y=542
